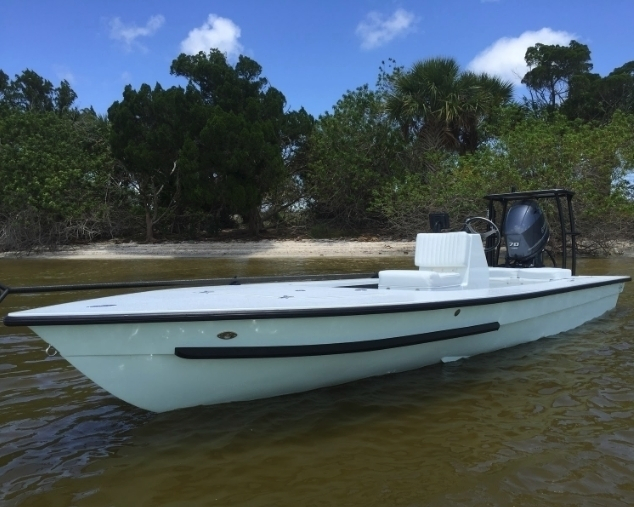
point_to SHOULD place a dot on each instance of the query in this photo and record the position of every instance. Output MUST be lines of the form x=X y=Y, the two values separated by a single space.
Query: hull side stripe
x=331 y=348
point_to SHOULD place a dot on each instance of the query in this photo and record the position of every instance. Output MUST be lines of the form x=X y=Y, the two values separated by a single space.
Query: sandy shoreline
x=230 y=249
x=273 y=248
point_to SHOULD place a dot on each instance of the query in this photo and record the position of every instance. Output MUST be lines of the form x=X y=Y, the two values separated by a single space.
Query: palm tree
x=442 y=107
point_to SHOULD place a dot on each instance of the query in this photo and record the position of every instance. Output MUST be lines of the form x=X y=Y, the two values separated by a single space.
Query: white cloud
x=63 y=72
x=128 y=34
x=217 y=32
x=505 y=57
x=376 y=30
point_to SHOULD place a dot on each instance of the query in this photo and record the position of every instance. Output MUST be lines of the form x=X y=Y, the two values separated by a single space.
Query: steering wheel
x=492 y=229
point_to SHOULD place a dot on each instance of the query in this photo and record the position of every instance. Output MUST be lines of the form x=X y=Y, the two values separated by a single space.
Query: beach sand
x=229 y=249
x=266 y=248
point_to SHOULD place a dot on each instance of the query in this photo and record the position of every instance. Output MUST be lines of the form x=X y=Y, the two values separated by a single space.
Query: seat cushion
x=445 y=250
x=544 y=273
x=402 y=279
x=504 y=272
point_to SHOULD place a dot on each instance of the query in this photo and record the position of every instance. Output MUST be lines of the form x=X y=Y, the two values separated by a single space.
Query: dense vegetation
x=224 y=152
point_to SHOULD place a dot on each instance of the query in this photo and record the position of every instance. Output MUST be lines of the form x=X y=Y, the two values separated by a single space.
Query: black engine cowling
x=526 y=233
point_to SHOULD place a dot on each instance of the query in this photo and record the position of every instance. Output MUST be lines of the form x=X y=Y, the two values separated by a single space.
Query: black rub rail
x=331 y=348
x=294 y=313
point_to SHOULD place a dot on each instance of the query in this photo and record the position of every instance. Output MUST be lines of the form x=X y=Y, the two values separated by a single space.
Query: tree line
x=224 y=151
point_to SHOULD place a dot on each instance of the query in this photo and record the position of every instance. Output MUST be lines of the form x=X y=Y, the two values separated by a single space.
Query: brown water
x=547 y=423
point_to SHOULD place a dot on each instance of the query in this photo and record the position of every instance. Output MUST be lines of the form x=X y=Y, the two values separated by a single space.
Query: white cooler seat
x=504 y=273
x=544 y=273
x=445 y=260
x=530 y=273
x=403 y=279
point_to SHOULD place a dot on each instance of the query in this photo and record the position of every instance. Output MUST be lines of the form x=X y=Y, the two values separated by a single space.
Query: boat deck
x=266 y=300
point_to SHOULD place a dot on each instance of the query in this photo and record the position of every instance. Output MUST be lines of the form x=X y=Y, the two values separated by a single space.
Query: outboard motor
x=526 y=232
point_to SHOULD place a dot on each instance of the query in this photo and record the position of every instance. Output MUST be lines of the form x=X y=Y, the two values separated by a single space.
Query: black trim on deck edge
x=331 y=348
x=146 y=318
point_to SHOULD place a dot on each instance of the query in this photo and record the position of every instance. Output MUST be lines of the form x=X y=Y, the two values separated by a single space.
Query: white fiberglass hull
x=170 y=360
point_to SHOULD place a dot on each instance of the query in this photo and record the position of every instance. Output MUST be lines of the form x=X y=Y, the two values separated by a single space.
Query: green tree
x=353 y=151
x=290 y=191
x=595 y=98
x=531 y=152
x=63 y=98
x=55 y=179
x=235 y=159
x=146 y=137
x=551 y=68
x=31 y=92
x=4 y=86
x=592 y=160
x=444 y=108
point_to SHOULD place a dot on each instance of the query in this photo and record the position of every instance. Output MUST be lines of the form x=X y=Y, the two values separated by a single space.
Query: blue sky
x=312 y=51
